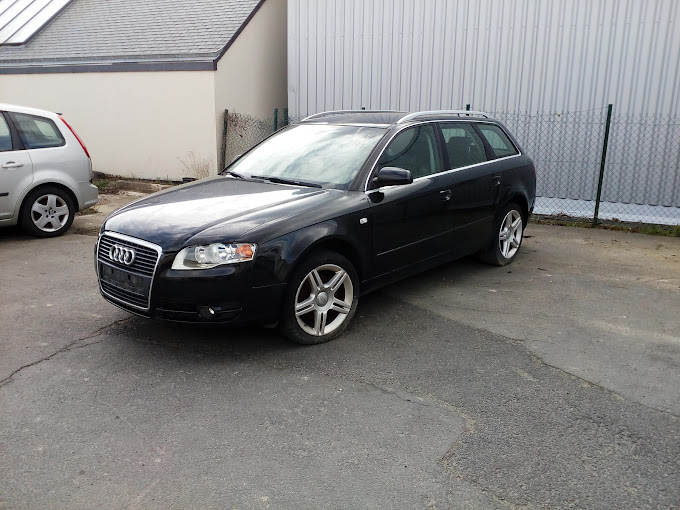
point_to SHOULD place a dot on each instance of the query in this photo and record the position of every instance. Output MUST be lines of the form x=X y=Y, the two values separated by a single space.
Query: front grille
x=131 y=284
x=145 y=257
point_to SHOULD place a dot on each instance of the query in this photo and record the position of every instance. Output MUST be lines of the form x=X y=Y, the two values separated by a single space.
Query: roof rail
x=336 y=112
x=460 y=113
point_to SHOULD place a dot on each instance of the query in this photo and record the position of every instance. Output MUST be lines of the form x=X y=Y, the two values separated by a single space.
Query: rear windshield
x=328 y=155
x=37 y=132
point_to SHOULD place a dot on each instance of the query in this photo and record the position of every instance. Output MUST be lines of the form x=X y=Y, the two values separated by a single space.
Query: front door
x=16 y=169
x=411 y=222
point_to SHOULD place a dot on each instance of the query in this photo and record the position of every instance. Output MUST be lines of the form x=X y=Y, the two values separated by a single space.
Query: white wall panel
x=498 y=55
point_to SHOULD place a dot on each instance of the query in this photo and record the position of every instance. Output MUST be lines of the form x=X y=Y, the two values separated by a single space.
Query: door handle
x=12 y=164
x=445 y=194
x=497 y=180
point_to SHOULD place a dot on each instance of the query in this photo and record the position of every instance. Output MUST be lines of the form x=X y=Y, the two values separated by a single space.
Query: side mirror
x=392 y=176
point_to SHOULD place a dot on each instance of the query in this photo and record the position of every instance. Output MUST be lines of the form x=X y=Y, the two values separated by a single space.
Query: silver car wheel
x=50 y=213
x=510 y=235
x=323 y=300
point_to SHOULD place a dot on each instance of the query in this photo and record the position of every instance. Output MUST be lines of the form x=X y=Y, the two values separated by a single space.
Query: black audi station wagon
x=319 y=213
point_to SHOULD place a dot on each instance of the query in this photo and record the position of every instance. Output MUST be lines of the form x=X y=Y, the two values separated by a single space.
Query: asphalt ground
x=551 y=383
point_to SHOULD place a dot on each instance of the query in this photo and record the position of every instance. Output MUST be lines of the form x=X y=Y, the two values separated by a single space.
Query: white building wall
x=497 y=55
x=251 y=76
x=134 y=124
x=153 y=125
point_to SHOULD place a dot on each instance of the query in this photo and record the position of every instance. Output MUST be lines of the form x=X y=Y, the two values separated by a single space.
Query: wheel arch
x=338 y=245
x=521 y=200
x=60 y=186
x=335 y=244
x=287 y=252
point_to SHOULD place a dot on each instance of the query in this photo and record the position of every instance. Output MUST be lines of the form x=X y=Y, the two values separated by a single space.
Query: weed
x=106 y=185
x=90 y=210
x=197 y=166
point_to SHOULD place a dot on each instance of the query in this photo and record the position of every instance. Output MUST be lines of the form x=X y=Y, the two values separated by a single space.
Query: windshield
x=330 y=156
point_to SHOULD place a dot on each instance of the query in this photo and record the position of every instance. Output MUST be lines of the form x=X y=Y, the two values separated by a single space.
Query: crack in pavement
x=66 y=348
x=616 y=396
x=524 y=342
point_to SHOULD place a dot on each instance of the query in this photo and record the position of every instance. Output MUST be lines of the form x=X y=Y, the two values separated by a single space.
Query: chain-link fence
x=241 y=132
x=638 y=181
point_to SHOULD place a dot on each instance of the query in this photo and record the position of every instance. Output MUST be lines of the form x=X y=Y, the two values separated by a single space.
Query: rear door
x=46 y=145
x=16 y=169
x=474 y=185
x=412 y=222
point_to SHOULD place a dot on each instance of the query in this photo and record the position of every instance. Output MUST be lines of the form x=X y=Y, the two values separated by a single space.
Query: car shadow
x=15 y=233
x=222 y=341
x=231 y=341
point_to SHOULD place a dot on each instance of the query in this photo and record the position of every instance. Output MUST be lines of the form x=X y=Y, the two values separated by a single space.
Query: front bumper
x=244 y=293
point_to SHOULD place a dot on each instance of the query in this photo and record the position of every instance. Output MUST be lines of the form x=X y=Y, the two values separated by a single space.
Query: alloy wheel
x=323 y=300
x=510 y=235
x=50 y=213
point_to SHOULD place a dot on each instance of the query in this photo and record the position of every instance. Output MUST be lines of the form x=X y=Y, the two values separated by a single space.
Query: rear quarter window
x=498 y=140
x=37 y=132
x=463 y=145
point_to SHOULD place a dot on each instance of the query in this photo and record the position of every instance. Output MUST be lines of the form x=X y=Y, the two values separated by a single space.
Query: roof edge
x=238 y=32
x=110 y=67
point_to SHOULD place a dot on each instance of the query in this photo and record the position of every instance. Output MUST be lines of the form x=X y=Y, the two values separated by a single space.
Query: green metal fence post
x=223 y=156
x=285 y=116
x=602 y=162
x=276 y=119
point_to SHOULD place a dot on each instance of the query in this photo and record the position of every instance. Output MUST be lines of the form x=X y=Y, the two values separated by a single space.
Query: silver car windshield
x=325 y=155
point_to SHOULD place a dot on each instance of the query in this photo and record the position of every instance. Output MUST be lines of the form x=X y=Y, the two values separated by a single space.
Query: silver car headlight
x=211 y=255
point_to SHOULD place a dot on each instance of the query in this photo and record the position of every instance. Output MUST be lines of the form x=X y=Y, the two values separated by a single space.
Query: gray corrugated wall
x=502 y=55
x=524 y=56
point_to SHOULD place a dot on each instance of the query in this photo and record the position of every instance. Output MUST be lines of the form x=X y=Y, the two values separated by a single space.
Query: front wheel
x=321 y=298
x=507 y=239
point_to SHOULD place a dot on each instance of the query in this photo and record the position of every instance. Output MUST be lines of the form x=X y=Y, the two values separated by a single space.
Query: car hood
x=227 y=207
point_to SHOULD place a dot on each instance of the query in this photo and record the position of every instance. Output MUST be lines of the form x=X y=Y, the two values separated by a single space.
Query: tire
x=321 y=298
x=507 y=238
x=47 y=211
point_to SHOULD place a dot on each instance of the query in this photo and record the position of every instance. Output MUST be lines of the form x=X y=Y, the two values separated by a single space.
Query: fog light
x=207 y=312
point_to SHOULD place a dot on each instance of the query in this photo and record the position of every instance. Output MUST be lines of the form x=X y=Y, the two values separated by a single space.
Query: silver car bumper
x=87 y=194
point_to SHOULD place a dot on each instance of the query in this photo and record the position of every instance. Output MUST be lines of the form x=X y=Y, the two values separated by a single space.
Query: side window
x=37 y=132
x=463 y=145
x=500 y=143
x=5 y=135
x=413 y=149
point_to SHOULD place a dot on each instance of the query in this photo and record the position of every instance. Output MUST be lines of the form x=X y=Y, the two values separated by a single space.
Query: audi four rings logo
x=122 y=254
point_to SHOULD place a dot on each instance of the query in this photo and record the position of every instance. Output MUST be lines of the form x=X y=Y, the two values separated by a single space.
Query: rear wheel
x=47 y=212
x=321 y=298
x=507 y=238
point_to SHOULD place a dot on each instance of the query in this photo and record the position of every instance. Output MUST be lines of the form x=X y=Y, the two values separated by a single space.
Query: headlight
x=204 y=257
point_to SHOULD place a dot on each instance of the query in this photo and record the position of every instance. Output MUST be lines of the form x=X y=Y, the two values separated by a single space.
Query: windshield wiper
x=281 y=180
x=233 y=174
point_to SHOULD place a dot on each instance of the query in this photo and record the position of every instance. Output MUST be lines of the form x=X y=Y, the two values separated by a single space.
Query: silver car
x=45 y=171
